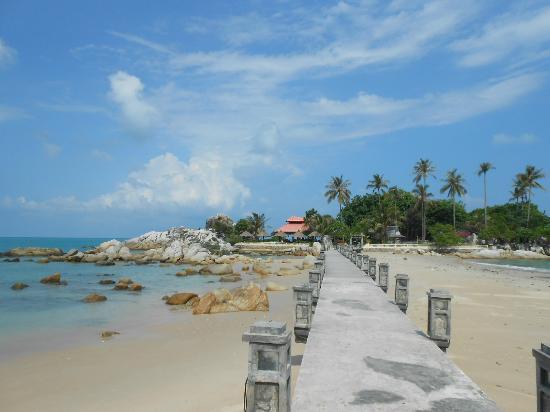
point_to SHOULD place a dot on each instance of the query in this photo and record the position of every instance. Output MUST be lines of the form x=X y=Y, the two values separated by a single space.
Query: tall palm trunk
x=528 y=206
x=424 y=213
x=454 y=213
x=485 y=197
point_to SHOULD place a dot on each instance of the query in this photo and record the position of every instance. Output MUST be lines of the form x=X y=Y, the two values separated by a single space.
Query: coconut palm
x=378 y=184
x=454 y=186
x=422 y=194
x=483 y=169
x=423 y=169
x=529 y=180
x=338 y=189
x=519 y=192
x=257 y=223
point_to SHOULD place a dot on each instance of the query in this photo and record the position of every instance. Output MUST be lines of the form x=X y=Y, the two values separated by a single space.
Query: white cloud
x=101 y=155
x=164 y=182
x=7 y=54
x=126 y=90
x=10 y=113
x=51 y=150
x=519 y=34
x=525 y=138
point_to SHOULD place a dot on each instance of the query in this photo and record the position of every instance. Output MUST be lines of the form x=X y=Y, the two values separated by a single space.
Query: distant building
x=293 y=225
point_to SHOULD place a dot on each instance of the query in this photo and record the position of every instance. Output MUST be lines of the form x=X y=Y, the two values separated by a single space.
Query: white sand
x=498 y=316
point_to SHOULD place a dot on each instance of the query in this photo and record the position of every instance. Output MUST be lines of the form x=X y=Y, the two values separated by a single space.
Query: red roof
x=293 y=228
x=295 y=219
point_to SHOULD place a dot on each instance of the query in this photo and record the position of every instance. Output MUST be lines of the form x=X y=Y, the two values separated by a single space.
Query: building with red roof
x=294 y=224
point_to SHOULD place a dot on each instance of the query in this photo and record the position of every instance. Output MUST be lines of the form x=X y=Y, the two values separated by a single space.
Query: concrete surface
x=363 y=354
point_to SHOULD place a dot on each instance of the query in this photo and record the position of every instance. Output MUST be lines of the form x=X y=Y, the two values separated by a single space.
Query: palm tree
x=338 y=189
x=423 y=169
x=257 y=222
x=311 y=219
x=422 y=193
x=378 y=184
x=454 y=185
x=519 y=191
x=529 y=179
x=483 y=169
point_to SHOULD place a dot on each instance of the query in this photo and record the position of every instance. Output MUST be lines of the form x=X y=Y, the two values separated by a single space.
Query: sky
x=118 y=118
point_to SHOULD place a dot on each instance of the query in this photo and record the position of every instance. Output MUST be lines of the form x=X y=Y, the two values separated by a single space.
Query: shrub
x=444 y=235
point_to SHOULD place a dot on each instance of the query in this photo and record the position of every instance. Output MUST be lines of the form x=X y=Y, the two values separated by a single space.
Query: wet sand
x=197 y=363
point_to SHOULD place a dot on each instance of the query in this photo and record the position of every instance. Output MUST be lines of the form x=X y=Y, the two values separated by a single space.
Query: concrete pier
x=364 y=354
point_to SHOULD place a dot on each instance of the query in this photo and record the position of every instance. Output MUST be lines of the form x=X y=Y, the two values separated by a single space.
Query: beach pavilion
x=247 y=235
x=294 y=224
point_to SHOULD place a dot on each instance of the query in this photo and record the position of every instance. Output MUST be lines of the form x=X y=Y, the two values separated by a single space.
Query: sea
x=536 y=265
x=47 y=317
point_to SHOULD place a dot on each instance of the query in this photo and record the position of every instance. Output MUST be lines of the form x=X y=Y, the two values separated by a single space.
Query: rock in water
x=230 y=278
x=126 y=281
x=107 y=282
x=34 y=251
x=44 y=260
x=105 y=263
x=109 y=333
x=94 y=297
x=19 y=286
x=54 y=279
x=180 y=298
x=135 y=287
x=246 y=298
x=220 y=269
x=121 y=286
x=274 y=287
x=14 y=260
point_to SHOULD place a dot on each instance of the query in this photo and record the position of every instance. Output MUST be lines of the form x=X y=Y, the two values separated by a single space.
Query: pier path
x=364 y=354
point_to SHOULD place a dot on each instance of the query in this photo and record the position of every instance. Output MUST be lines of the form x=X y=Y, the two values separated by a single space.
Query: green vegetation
x=338 y=189
x=444 y=235
x=420 y=216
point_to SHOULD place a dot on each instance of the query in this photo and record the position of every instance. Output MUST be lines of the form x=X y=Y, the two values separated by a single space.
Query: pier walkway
x=364 y=354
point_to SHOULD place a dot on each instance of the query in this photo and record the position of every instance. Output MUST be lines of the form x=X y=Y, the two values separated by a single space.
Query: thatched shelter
x=247 y=235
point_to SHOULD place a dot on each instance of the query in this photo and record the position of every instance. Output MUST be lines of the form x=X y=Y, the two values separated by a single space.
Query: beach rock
x=93 y=257
x=94 y=297
x=106 y=282
x=71 y=252
x=288 y=272
x=121 y=286
x=220 y=269
x=187 y=272
x=54 y=279
x=19 y=286
x=127 y=281
x=34 y=251
x=43 y=261
x=105 y=263
x=246 y=298
x=309 y=262
x=109 y=333
x=13 y=260
x=260 y=269
x=180 y=298
x=274 y=287
x=135 y=287
x=230 y=278
x=77 y=257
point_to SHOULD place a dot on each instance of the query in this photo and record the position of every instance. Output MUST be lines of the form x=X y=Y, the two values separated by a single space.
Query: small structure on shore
x=542 y=357
x=247 y=235
x=402 y=292
x=439 y=317
x=393 y=234
x=295 y=226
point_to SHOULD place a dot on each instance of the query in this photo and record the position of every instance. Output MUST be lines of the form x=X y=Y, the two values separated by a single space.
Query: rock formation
x=247 y=298
x=94 y=297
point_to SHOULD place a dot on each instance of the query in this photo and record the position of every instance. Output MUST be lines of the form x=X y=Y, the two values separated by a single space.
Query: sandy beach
x=498 y=316
x=198 y=363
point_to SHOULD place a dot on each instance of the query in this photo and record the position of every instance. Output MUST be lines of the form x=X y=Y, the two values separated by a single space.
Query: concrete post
x=542 y=358
x=383 y=275
x=314 y=279
x=402 y=292
x=268 y=385
x=302 y=316
x=365 y=263
x=372 y=268
x=320 y=266
x=439 y=317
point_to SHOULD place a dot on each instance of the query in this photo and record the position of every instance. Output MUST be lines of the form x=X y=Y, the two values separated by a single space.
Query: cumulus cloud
x=503 y=138
x=7 y=54
x=164 y=182
x=127 y=92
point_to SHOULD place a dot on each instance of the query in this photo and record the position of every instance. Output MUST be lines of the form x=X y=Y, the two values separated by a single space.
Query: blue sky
x=122 y=117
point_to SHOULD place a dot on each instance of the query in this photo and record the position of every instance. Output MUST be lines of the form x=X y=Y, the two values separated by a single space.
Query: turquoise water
x=65 y=243
x=525 y=264
x=53 y=313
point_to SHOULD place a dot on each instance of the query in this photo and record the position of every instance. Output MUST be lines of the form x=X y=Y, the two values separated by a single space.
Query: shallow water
x=542 y=265
x=41 y=316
